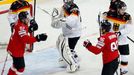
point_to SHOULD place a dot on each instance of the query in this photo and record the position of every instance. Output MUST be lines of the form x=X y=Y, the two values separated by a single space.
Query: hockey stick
x=45 y=11
x=4 y=65
x=130 y=39
x=4 y=11
x=54 y=12
x=34 y=8
x=99 y=22
x=32 y=46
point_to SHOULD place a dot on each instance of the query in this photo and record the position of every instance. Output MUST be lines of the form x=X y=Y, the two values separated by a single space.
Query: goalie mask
x=68 y=2
x=105 y=26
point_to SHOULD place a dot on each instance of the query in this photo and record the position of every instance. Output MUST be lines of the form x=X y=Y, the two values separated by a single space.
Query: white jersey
x=123 y=26
x=16 y=8
x=72 y=27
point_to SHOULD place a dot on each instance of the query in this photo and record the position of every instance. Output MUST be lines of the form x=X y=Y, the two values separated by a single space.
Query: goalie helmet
x=69 y=2
x=105 y=26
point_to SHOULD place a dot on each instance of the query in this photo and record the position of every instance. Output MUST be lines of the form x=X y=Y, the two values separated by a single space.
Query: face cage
x=68 y=1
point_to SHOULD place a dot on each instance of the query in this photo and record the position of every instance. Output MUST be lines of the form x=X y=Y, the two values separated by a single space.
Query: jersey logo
x=100 y=43
x=22 y=31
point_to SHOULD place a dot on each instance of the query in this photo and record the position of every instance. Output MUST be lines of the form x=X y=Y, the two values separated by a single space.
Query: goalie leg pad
x=67 y=56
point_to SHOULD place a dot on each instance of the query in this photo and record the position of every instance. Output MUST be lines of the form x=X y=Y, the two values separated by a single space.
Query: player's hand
x=33 y=26
x=87 y=43
x=12 y=26
x=41 y=37
x=118 y=33
x=55 y=12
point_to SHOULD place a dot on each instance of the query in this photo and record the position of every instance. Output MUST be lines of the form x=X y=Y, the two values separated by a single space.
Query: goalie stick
x=45 y=11
x=54 y=12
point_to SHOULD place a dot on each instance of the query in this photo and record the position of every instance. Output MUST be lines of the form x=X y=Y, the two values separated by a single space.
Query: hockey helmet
x=113 y=5
x=121 y=5
x=23 y=15
x=105 y=26
x=68 y=1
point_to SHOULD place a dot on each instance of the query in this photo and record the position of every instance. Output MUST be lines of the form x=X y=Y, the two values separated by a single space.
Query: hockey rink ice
x=44 y=59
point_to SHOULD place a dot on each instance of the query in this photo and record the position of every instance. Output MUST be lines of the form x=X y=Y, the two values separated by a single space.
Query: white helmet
x=68 y=1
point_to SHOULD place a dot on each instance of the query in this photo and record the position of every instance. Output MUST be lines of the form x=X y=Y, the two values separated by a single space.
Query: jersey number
x=114 y=46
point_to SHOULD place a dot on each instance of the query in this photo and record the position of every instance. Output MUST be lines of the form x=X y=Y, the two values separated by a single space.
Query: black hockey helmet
x=23 y=15
x=121 y=5
x=105 y=26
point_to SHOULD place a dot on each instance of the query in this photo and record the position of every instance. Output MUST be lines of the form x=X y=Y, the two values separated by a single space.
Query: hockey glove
x=87 y=43
x=33 y=26
x=55 y=12
x=41 y=37
x=12 y=26
x=118 y=33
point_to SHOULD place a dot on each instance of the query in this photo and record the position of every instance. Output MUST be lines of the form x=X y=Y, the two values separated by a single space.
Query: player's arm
x=94 y=49
x=128 y=26
x=23 y=34
x=12 y=15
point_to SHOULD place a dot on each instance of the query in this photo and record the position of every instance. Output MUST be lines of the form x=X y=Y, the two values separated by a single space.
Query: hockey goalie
x=69 y=20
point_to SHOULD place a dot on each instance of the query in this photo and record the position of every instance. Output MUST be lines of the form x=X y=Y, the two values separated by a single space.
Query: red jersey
x=19 y=39
x=108 y=45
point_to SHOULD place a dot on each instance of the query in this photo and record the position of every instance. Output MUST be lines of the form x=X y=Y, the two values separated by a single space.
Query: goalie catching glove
x=41 y=37
x=55 y=12
x=33 y=26
x=57 y=19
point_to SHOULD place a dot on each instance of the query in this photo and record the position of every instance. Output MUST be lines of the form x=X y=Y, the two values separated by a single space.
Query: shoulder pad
x=27 y=3
x=13 y=5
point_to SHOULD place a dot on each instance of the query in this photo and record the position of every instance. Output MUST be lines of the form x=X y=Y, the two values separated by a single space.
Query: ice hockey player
x=15 y=8
x=108 y=45
x=122 y=25
x=18 y=39
x=69 y=21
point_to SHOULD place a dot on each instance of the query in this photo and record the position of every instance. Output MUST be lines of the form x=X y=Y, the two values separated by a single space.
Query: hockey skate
x=62 y=63
x=72 y=68
x=123 y=72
